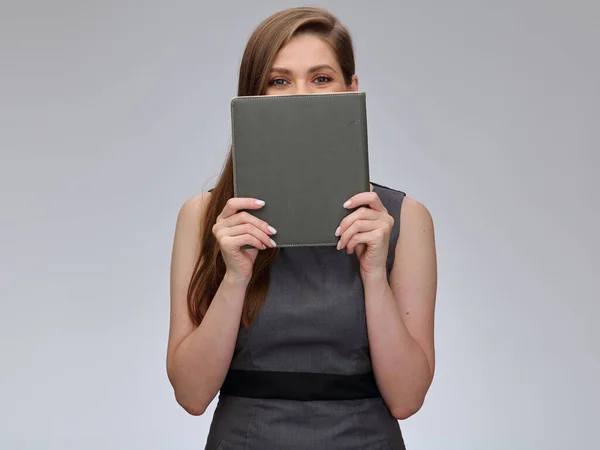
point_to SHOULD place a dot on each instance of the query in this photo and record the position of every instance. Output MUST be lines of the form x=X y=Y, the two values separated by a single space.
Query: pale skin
x=400 y=313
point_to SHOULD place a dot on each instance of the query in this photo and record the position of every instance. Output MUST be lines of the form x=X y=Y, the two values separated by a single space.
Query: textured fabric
x=313 y=320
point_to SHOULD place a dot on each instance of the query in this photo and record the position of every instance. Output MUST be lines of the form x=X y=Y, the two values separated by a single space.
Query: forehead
x=304 y=51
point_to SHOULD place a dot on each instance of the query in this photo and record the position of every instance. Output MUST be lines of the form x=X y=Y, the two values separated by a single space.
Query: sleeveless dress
x=301 y=375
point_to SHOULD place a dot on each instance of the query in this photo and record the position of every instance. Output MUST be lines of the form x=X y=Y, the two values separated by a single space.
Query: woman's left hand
x=366 y=232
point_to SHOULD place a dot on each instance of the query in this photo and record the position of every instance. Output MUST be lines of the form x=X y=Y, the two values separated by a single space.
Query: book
x=305 y=156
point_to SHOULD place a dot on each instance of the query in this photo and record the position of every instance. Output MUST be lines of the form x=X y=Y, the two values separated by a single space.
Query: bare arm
x=400 y=315
x=198 y=358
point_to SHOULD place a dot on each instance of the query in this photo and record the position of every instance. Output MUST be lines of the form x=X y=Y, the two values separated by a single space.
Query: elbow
x=192 y=407
x=407 y=407
x=403 y=412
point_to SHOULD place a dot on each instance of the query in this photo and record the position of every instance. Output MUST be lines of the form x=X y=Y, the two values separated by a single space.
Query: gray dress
x=312 y=326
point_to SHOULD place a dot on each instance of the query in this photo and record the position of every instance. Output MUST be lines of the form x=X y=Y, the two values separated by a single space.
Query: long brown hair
x=267 y=40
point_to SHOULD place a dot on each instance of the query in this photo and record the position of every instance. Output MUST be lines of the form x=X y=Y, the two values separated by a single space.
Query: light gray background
x=112 y=113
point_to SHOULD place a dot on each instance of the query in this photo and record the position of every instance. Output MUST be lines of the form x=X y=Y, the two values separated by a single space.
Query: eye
x=277 y=82
x=322 y=79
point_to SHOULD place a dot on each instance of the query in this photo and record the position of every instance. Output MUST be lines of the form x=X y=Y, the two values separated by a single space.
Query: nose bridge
x=303 y=89
x=302 y=86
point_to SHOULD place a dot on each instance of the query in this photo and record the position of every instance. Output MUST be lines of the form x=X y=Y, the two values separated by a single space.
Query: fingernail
x=338 y=244
x=273 y=243
x=272 y=230
x=347 y=204
x=264 y=247
x=260 y=202
x=337 y=231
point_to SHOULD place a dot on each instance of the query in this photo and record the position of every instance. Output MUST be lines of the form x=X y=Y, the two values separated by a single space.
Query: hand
x=366 y=232
x=234 y=229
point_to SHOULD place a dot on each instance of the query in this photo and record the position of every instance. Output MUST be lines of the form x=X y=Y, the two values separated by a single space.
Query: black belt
x=299 y=385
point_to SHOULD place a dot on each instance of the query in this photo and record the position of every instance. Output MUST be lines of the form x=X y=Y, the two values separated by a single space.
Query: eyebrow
x=311 y=70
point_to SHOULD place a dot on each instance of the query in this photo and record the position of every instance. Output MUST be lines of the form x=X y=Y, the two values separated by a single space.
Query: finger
x=359 y=214
x=244 y=217
x=370 y=199
x=367 y=238
x=246 y=228
x=359 y=226
x=237 y=242
x=236 y=204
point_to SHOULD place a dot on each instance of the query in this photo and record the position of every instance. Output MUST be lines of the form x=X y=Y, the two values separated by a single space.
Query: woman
x=310 y=348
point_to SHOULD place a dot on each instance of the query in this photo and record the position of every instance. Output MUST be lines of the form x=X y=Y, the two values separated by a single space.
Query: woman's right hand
x=234 y=229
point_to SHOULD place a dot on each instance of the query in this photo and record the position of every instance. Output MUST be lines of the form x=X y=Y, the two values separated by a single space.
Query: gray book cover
x=304 y=155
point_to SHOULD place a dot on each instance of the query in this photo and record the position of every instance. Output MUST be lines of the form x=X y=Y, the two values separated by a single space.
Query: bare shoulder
x=415 y=214
x=191 y=211
x=187 y=240
x=415 y=266
x=416 y=242
x=186 y=245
